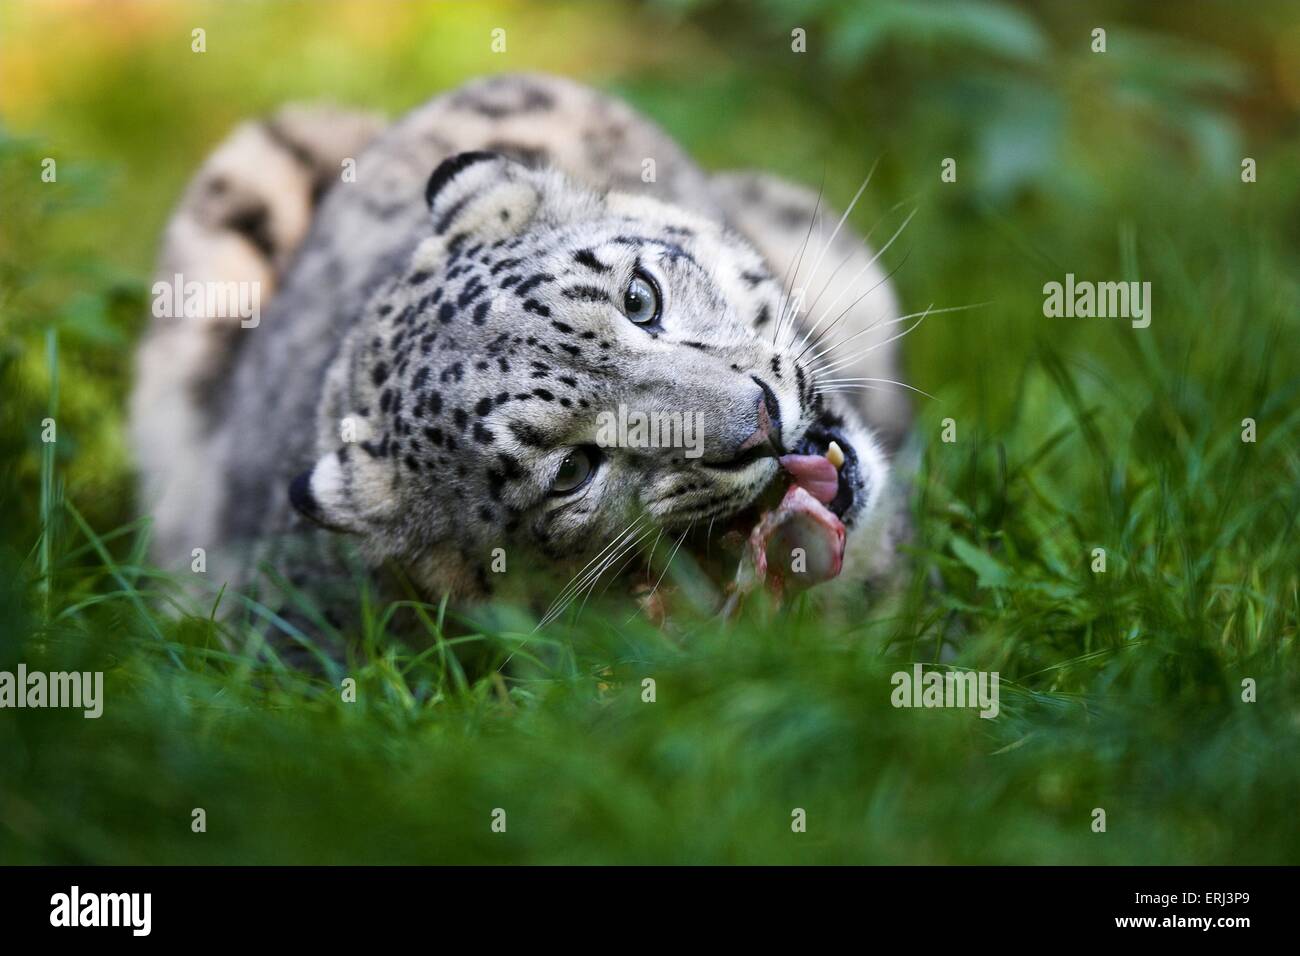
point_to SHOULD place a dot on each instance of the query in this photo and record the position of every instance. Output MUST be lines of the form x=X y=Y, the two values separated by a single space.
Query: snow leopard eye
x=641 y=300
x=575 y=471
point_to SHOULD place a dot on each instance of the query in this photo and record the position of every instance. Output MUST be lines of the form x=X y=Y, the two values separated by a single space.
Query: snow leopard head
x=464 y=413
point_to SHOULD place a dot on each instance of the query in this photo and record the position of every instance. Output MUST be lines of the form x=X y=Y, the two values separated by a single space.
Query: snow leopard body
x=441 y=323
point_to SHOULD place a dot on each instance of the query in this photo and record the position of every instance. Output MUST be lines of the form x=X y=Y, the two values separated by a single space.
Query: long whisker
x=849 y=384
x=573 y=582
x=854 y=248
x=672 y=554
x=631 y=553
x=870 y=262
x=840 y=363
x=613 y=543
x=593 y=577
x=676 y=547
x=840 y=225
x=787 y=281
x=861 y=332
x=654 y=547
x=840 y=318
x=878 y=324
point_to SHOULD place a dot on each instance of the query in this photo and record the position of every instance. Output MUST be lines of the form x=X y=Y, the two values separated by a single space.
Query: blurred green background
x=1120 y=690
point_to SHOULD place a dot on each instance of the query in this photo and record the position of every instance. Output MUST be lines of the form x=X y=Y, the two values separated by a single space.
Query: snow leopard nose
x=765 y=440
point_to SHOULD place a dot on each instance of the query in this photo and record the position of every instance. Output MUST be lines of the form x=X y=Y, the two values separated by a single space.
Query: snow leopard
x=448 y=304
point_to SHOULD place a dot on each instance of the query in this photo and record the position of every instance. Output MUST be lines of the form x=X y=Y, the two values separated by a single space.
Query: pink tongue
x=813 y=473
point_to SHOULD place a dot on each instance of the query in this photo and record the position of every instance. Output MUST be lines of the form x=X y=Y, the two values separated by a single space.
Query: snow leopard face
x=464 y=412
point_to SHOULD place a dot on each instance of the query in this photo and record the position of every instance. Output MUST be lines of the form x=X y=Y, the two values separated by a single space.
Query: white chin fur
x=863 y=546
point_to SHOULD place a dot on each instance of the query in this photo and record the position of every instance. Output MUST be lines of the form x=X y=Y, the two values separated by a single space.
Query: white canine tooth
x=835 y=455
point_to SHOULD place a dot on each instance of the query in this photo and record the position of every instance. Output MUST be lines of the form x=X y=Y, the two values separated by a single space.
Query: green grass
x=1120 y=690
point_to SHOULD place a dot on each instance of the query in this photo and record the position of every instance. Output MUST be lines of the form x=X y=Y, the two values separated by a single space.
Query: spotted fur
x=449 y=326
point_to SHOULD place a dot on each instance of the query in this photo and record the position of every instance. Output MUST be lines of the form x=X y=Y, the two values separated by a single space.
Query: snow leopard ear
x=344 y=491
x=480 y=194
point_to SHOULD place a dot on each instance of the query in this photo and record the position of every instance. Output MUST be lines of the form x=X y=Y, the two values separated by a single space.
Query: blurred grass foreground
x=1162 y=690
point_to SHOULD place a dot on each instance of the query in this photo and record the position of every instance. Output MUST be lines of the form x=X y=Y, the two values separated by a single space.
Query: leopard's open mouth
x=792 y=535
